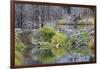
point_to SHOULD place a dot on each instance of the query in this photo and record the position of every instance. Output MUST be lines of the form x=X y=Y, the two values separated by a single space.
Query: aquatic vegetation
x=46 y=56
x=19 y=52
x=59 y=38
x=47 y=32
x=80 y=43
x=52 y=45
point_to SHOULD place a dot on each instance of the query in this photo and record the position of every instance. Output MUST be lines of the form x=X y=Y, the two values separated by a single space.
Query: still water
x=70 y=30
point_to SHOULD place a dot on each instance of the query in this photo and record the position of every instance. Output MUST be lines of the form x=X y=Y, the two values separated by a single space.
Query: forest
x=47 y=34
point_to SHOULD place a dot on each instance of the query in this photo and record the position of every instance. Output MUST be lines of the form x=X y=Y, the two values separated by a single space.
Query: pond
x=70 y=30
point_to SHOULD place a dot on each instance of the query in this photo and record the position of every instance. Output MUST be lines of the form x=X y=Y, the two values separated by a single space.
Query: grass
x=18 y=52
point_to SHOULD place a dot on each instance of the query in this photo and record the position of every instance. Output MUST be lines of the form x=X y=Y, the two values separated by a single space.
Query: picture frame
x=29 y=15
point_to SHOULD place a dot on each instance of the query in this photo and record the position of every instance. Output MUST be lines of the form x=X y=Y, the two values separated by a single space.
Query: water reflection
x=70 y=30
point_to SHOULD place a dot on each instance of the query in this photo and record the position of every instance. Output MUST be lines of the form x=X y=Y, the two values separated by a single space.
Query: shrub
x=67 y=45
x=84 y=37
x=59 y=38
x=80 y=43
x=47 y=33
x=59 y=41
